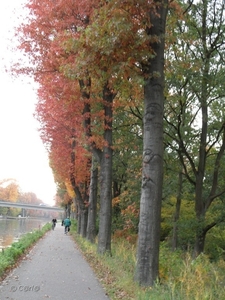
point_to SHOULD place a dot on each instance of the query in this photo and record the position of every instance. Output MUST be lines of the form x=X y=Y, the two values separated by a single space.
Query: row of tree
x=95 y=62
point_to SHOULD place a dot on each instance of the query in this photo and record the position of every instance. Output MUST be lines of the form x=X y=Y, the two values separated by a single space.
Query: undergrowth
x=181 y=277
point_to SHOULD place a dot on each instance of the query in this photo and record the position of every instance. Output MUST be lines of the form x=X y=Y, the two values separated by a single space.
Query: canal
x=11 y=230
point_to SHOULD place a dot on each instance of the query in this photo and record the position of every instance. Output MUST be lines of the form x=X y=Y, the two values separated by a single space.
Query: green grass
x=181 y=277
x=10 y=256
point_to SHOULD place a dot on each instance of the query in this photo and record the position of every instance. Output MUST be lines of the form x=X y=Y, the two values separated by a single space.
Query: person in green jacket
x=67 y=224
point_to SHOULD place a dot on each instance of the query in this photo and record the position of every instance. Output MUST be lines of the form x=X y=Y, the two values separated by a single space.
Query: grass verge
x=12 y=255
x=181 y=277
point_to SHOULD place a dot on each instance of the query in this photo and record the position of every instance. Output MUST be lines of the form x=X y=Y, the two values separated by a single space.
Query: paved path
x=53 y=269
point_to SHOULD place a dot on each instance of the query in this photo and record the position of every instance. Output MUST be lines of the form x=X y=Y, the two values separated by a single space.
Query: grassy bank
x=10 y=256
x=181 y=277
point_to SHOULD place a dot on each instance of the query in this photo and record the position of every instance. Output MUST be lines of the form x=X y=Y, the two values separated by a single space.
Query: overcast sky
x=22 y=154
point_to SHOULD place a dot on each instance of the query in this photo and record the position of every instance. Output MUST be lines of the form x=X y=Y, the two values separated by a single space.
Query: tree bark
x=105 y=214
x=104 y=157
x=92 y=205
x=84 y=220
x=152 y=173
x=80 y=199
x=177 y=212
x=200 y=238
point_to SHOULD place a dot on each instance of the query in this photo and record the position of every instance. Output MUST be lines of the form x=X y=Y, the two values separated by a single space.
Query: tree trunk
x=152 y=173
x=177 y=212
x=203 y=145
x=92 y=205
x=105 y=159
x=67 y=210
x=200 y=238
x=76 y=208
x=199 y=243
x=82 y=212
x=105 y=214
x=84 y=218
x=78 y=220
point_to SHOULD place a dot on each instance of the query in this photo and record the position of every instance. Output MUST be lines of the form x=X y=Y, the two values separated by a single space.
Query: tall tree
x=198 y=95
x=152 y=173
x=94 y=60
x=59 y=109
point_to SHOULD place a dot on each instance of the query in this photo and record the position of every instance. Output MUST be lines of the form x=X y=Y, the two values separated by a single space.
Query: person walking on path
x=54 y=269
x=54 y=221
x=67 y=224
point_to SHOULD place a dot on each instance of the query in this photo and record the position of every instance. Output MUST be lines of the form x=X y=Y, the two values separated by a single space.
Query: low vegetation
x=11 y=255
x=181 y=277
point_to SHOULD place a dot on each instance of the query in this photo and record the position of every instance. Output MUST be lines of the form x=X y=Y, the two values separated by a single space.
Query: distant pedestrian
x=67 y=224
x=54 y=221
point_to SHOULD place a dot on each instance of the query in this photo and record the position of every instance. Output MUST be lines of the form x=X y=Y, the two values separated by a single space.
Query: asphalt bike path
x=54 y=269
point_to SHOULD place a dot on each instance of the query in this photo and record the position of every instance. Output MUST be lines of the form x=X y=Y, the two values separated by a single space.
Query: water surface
x=11 y=230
